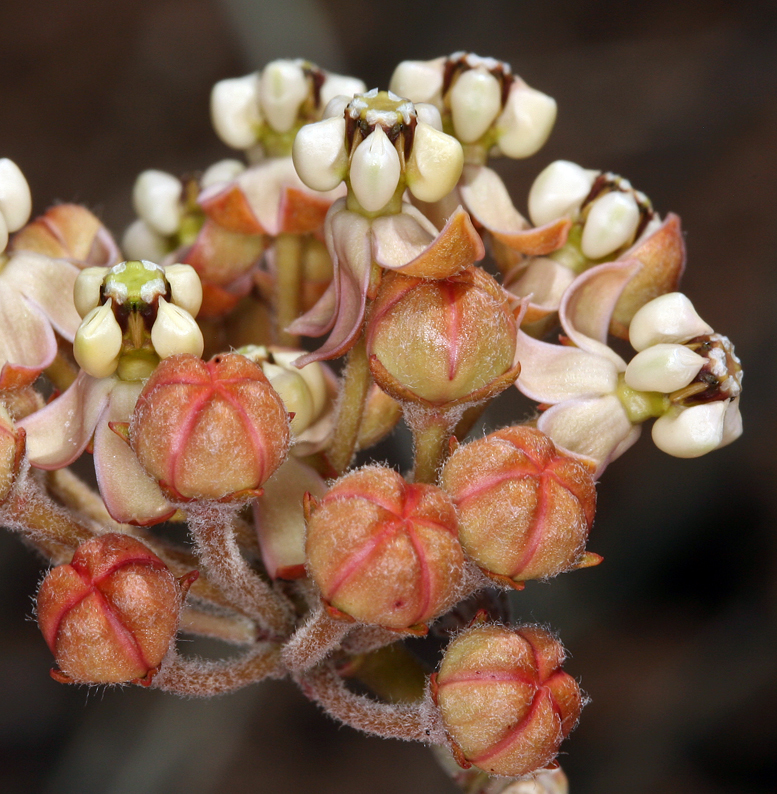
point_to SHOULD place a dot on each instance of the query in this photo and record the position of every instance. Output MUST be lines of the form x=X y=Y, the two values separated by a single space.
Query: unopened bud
x=504 y=700
x=525 y=507
x=383 y=551
x=110 y=615
x=209 y=430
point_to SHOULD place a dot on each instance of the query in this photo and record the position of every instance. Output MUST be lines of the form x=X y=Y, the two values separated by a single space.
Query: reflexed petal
x=130 y=494
x=663 y=368
x=59 y=433
x=435 y=164
x=140 y=241
x=526 y=122
x=234 y=111
x=407 y=241
x=475 y=101
x=668 y=318
x=375 y=171
x=98 y=342
x=340 y=85
x=596 y=428
x=223 y=171
x=15 y=198
x=587 y=305
x=185 y=287
x=319 y=153
x=175 y=331
x=544 y=281
x=283 y=87
x=691 y=432
x=48 y=283
x=86 y=291
x=320 y=318
x=156 y=198
x=558 y=191
x=554 y=373
x=611 y=223
x=419 y=81
x=27 y=343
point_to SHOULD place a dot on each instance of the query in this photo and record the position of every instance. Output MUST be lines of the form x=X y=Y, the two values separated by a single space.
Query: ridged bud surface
x=209 y=430
x=384 y=551
x=525 y=508
x=504 y=699
x=110 y=615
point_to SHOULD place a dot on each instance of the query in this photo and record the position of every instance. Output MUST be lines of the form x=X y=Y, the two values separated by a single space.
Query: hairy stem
x=431 y=433
x=314 y=640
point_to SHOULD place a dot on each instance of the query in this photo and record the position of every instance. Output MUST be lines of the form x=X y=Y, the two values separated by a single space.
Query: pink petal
x=554 y=373
x=486 y=198
x=587 y=306
x=320 y=318
x=596 y=428
x=27 y=342
x=59 y=433
x=48 y=283
x=544 y=281
x=130 y=495
x=400 y=238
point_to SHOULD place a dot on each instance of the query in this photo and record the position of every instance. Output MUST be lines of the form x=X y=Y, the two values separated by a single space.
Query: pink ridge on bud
x=110 y=615
x=383 y=551
x=525 y=507
x=504 y=699
x=209 y=430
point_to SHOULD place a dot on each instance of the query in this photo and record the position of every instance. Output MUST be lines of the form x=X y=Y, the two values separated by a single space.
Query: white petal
x=611 y=223
x=175 y=331
x=140 y=241
x=283 y=87
x=435 y=163
x=476 y=99
x=428 y=114
x=222 y=171
x=319 y=153
x=234 y=111
x=690 y=432
x=526 y=122
x=418 y=81
x=663 y=368
x=15 y=198
x=668 y=318
x=86 y=291
x=375 y=171
x=185 y=287
x=340 y=85
x=559 y=191
x=156 y=198
x=97 y=344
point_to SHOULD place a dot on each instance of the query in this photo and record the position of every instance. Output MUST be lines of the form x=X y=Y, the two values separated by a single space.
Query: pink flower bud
x=525 y=508
x=209 y=430
x=504 y=700
x=384 y=551
x=110 y=615
x=440 y=342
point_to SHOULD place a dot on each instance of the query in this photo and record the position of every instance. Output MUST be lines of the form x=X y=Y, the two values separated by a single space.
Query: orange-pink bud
x=209 y=430
x=384 y=551
x=504 y=700
x=110 y=615
x=525 y=508
x=443 y=341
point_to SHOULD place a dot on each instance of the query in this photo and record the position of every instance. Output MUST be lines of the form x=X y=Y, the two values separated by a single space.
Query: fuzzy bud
x=525 y=508
x=110 y=615
x=440 y=341
x=383 y=551
x=504 y=700
x=209 y=430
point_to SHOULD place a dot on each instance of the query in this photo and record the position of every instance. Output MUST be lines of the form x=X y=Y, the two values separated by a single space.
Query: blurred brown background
x=675 y=635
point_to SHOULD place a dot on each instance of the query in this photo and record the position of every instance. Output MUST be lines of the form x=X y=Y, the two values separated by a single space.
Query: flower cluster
x=176 y=362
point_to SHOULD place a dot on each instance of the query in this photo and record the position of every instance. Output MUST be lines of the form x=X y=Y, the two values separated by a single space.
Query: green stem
x=356 y=384
x=289 y=250
x=431 y=434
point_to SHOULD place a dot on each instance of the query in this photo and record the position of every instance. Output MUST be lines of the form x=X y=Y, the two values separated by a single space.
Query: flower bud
x=383 y=551
x=440 y=341
x=504 y=700
x=525 y=508
x=209 y=430
x=110 y=615
x=15 y=198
